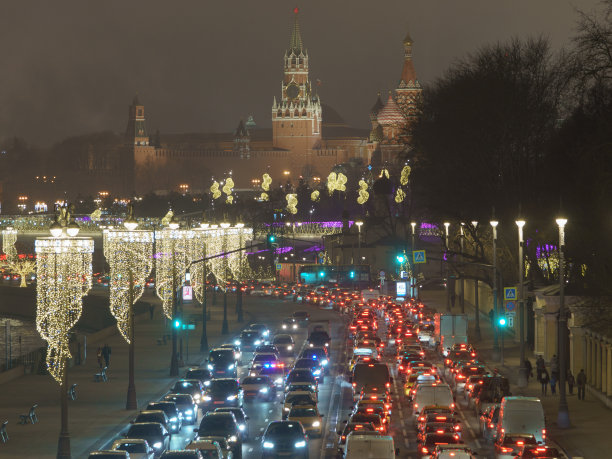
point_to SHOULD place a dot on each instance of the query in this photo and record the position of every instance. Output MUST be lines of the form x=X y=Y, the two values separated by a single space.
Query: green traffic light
x=400 y=258
x=502 y=321
x=322 y=273
x=177 y=323
x=352 y=274
x=271 y=238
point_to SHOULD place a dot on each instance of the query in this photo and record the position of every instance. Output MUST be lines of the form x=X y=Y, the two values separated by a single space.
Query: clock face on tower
x=292 y=91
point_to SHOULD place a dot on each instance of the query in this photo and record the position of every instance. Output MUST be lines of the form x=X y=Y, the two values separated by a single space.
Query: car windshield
x=140 y=430
x=249 y=335
x=179 y=399
x=306 y=363
x=437 y=439
x=364 y=418
x=212 y=425
x=201 y=373
x=255 y=380
x=297 y=398
x=300 y=314
x=302 y=412
x=301 y=375
x=148 y=417
x=168 y=408
x=283 y=428
x=184 y=387
x=132 y=447
x=221 y=356
x=238 y=413
x=265 y=358
x=283 y=340
x=224 y=385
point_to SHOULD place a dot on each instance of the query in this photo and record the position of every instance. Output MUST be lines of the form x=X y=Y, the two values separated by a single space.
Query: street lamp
x=563 y=420
x=496 y=311
x=448 y=295
x=359 y=224
x=130 y=257
x=414 y=276
x=522 y=376
x=476 y=298
x=64 y=276
x=462 y=283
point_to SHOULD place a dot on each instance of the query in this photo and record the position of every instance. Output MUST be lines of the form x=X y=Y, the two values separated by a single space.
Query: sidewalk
x=99 y=411
x=590 y=418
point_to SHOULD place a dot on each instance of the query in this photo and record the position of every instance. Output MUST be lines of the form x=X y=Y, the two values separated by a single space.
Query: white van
x=360 y=446
x=432 y=394
x=523 y=415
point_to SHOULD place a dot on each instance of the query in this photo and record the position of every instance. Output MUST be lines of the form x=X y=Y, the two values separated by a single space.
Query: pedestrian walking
x=540 y=367
x=581 y=383
x=106 y=353
x=529 y=369
x=544 y=380
x=151 y=310
x=570 y=382
x=553 y=384
x=492 y=317
x=99 y=356
x=554 y=367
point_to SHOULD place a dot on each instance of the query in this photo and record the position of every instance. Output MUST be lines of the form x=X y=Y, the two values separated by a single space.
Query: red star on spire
x=296 y=10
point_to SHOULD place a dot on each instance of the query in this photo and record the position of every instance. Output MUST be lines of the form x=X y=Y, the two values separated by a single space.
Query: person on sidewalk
x=106 y=353
x=151 y=310
x=492 y=317
x=581 y=383
x=544 y=380
x=99 y=357
x=529 y=369
x=540 y=367
x=553 y=384
x=570 y=381
x=554 y=367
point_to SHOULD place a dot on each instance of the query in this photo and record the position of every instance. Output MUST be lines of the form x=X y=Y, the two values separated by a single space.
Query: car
x=154 y=433
x=284 y=438
x=261 y=328
x=249 y=340
x=488 y=422
x=235 y=348
x=275 y=372
x=175 y=417
x=308 y=416
x=297 y=397
x=510 y=445
x=301 y=376
x=208 y=448
x=354 y=427
x=431 y=440
x=267 y=349
x=314 y=365
x=153 y=416
x=109 y=454
x=285 y=344
x=193 y=387
x=223 y=425
x=181 y=454
x=301 y=317
x=222 y=363
x=540 y=451
x=202 y=374
x=453 y=452
x=186 y=405
x=367 y=418
x=362 y=444
x=258 y=387
x=138 y=448
x=261 y=360
x=289 y=324
x=317 y=353
x=241 y=419
x=223 y=392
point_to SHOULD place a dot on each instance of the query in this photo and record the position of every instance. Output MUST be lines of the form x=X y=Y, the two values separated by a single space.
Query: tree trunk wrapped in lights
x=127 y=251
x=199 y=250
x=64 y=276
x=172 y=258
x=22 y=266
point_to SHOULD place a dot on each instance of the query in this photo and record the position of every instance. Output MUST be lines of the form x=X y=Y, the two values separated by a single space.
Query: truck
x=450 y=329
x=319 y=333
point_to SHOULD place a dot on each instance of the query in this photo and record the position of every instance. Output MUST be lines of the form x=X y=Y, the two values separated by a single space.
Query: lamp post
x=476 y=297
x=496 y=330
x=414 y=276
x=462 y=282
x=201 y=291
x=225 y=325
x=64 y=276
x=522 y=376
x=448 y=295
x=359 y=224
x=239 y=296
x=563 y=420
x=130 y=257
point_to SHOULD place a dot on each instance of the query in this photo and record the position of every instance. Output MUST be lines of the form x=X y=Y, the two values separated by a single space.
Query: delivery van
x=522 y=415
x=360 y=446
x=432 y=394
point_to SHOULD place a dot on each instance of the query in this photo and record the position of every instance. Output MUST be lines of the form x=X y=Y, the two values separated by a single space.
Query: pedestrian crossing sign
x=418 y=256
x=510 y=293
x=279 y=266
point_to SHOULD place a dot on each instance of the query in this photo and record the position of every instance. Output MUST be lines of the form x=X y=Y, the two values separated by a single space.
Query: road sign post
x=510 y=294
x=419 y=256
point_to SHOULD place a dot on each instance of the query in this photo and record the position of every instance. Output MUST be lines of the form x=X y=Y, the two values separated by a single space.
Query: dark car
x=241 y=420
x=428 y=445
x=259 y=387
x=222 y=363
x=175 y=417
x=319 y=338
x=153 y=416
x=222 y=425
x=262 y=329
x=284 y=344
x=249 y=340
x=301 y=317
x=300 y=376
x=317 y=353
x=154 y=433
x=267 y=349
x=284 y=438
x=186 y=405
x=222 y=392
x=193 y=387
x=181 y=454
x=314 y=365
x=108 y=454
x=203 y=374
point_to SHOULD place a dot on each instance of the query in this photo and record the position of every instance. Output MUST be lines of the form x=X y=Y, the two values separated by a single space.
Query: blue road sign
x=279 y=266
x=510 y=305
x=510 y=293
x=418 y=256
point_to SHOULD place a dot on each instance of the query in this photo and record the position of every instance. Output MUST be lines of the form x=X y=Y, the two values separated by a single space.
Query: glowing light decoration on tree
x=64 y=276
x=292 y=202
x=314 y=196
x=20 y=265
x=171 y=262
x=363 y=192
x=127 y=251
x=214 y=189
x=400 y=195
x=405 y=175
x=265 y=186
x=238 y=264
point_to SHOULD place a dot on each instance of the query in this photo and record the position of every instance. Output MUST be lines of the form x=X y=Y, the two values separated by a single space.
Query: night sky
x=72 y=67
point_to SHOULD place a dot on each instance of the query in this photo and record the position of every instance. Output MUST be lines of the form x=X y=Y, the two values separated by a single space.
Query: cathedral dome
x=391 y=114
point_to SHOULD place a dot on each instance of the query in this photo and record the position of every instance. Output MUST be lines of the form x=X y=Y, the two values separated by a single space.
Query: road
x=335 y=396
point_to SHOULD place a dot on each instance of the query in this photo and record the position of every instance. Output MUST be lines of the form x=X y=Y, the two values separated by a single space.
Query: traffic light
x=502 y=321
x=176 y=323
x=321 y=273
x=352 y=274
x=400 y=258
x=271 y=238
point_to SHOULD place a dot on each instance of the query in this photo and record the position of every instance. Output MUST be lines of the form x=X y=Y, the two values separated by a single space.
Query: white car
x=452 y=452
x=137 y=447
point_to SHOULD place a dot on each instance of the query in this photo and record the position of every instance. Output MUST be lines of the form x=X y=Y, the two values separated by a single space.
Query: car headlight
x=257 y=343
x=207 y=398
x=232 y=397
x=278 y=381
x=263 y=390
x=233 y=438
x=241 y=427
x=300 y=444
x=230 y=367
x=289 y=348
x=286 y=409
x=207 y=383
x=295 y=326
x=157 y=444
x=197 y=396
x=268 y=445
x=266 y=333
x=316 y=372
x=189 y=412
x=173 y=419
x=311 y=345
x=325 y=362
x=316 y=424
x=284 y=326
x=237 y=342
x=209 y=366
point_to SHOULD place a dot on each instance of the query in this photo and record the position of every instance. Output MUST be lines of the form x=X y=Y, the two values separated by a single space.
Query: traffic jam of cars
x=390 y=358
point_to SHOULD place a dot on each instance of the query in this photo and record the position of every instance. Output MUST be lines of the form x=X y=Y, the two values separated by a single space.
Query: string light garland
x=127 y=251
x=363 y=192
x=314 y=196
x=405 y=175
x=214 y=189
x=64 y=276
x=292 y=202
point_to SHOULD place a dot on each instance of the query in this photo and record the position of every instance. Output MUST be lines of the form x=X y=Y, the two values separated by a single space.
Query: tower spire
x=295 y=43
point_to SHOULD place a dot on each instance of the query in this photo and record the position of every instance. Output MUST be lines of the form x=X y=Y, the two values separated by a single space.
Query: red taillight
x=388 y=384
x=457 y=427
x=506 y=450
x=491 y=425
x=520 y=442
x=354 y=384
x=440 y=431
x=424 y=450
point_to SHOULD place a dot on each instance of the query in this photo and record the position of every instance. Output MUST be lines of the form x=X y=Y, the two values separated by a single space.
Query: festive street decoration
x=400 y=195
x=336 y=182
x=405 y=175
x=315 y=195
x=363 y=192
x=214 y=189
x=292 y=203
